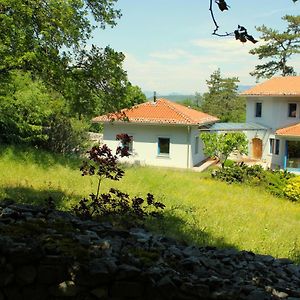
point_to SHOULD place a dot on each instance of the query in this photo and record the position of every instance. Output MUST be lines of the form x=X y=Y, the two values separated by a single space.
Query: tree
x=26 y=106
x=222 y=99
x=193 y=102
x=49 y=39
x=278 y=48
x=134 y=95
x=221 y=145
x=36 y=34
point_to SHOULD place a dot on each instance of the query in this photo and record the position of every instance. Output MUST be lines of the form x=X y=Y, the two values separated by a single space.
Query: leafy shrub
x=104 y=164
x=240 y=173
x=276 y=181
x=65 y=135
x=292 y=189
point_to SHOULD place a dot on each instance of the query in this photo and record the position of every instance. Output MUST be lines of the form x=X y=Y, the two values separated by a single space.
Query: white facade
x=185 y=146
x=274 y=115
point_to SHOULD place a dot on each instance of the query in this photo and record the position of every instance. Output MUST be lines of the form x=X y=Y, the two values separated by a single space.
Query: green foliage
x=239 y=173
x=25 y=109
x=45 y=37
x=194 y=103
x=31 y=114
x=134 y=95
x=277 y=49
x=222 y=99
x=65 y=135
x=222 y=145
x=99 y=85
x=274 y=181
x=50 y=40
x=292 y=189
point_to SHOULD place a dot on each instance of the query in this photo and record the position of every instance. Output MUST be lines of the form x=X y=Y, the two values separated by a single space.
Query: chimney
x=154 y=96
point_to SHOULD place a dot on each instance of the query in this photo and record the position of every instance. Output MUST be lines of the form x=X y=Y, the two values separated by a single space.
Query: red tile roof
x=162 y=111
x=277 y=86
x=293 y=130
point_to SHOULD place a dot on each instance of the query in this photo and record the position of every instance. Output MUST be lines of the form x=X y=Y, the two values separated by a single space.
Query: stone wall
x=48 y=254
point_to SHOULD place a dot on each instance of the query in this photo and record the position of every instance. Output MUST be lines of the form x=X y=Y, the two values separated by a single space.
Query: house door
x=257 y=148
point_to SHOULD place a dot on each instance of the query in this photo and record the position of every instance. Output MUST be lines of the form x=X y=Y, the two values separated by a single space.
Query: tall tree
x=278 y=48
x=49 y=38
x=222 y=99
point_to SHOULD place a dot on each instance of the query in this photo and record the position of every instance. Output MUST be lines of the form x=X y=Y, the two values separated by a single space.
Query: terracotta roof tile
x=293 y=130
x=277 y=86
x=162 y=111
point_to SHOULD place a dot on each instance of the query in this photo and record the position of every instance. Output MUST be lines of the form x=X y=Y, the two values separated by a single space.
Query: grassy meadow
x=198 y=210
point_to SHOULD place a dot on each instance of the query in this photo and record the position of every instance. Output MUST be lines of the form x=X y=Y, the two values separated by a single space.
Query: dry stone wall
x=48 y=254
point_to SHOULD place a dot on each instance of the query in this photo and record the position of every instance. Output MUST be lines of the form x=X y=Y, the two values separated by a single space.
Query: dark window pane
x=292 y=110
x=277 y=147
x=163 y=145
x=258 y=109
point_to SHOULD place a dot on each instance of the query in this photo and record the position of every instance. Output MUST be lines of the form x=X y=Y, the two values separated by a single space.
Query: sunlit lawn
x=199 y=209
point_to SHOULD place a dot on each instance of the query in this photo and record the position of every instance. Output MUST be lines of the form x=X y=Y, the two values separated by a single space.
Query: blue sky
x=169 y=46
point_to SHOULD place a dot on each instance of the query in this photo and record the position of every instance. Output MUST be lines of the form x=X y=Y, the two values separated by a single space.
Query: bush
x=292 y=189
x=65 y=135
x=240 y=173
x=275 y=181
x=104 y=164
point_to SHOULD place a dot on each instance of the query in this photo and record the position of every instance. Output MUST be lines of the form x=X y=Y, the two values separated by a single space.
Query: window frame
x=196 y=151
x=258 y=104
x=292 y=113
x=163 y=154
x=274 y=146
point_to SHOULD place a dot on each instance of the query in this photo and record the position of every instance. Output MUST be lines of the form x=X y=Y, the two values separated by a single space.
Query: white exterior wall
x=274 y=116
x=145 y=144
x=274 y=111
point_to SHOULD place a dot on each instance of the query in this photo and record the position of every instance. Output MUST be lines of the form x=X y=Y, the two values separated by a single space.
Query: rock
x=127 y=272
x=50 y=274
x=100 y=293
x=65 y=289
x=127 y=264
x=280 y=295
x=26 y=274
x=127 y=289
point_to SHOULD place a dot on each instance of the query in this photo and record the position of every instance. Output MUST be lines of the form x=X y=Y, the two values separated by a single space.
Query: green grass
x=199 y=210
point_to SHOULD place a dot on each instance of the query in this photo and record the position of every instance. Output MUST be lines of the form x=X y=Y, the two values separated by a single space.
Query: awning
x=233 y=127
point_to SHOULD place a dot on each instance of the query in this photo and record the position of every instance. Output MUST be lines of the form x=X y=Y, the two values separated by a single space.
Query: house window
x=163 y=146
x=292 y=110
x=274 y=146
x=258 y=109
x=196 y=144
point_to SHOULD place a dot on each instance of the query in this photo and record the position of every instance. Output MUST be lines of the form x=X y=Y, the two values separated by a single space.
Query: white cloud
x=186 y=70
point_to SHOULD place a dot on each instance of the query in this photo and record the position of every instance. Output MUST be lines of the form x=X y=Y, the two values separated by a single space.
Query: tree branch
x=215 y=32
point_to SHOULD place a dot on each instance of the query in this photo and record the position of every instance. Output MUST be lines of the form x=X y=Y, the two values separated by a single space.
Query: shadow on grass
x=45 y=159
x=28 y=195
x=181 y=229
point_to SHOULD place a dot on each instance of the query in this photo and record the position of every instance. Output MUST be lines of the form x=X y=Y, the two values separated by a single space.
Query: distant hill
x=174 y=97
x=177 y=97
x=243 y=88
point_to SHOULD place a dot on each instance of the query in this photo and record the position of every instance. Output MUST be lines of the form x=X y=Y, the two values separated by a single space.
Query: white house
x=163 y=133
x=275 y=105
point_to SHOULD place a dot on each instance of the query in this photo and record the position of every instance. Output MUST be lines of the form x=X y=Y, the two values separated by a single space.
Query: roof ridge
x=170 y=104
